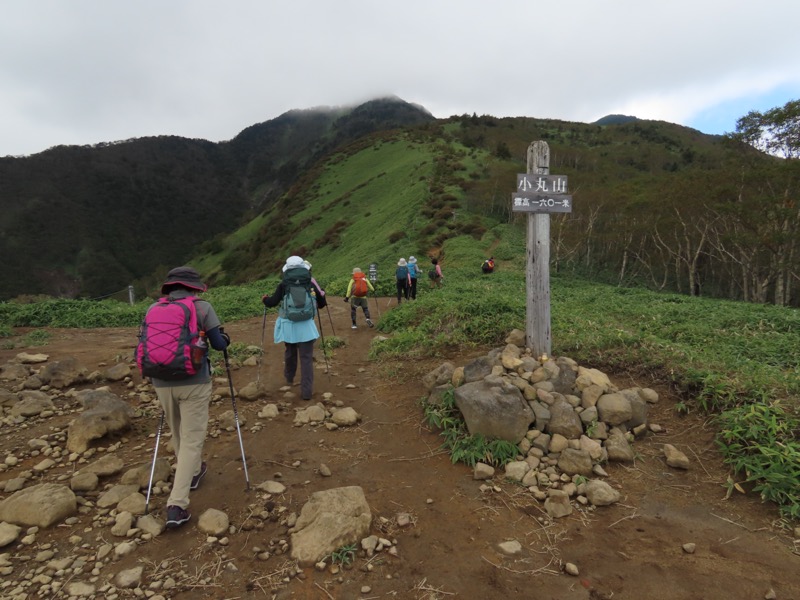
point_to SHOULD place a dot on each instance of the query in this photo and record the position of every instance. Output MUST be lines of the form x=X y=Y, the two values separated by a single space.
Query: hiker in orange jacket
x=356 y=294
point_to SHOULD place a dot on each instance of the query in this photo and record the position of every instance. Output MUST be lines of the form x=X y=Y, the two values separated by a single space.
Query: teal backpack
x=298 y=304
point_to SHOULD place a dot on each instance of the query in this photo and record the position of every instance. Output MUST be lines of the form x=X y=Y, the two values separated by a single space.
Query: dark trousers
x=305 y=350
x=402 y=289
x=413 y=289
x=354 y=304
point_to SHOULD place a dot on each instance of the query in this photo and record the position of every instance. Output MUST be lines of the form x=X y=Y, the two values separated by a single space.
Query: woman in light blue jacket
x=297 y=336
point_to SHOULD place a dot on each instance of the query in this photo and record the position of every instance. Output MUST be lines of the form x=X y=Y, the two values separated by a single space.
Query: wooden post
x=537 y=273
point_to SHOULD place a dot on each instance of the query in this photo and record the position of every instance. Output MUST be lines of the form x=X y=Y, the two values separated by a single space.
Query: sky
x=79 y=72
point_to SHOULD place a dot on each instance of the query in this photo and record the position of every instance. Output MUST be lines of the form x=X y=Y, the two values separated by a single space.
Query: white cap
x=292 y=263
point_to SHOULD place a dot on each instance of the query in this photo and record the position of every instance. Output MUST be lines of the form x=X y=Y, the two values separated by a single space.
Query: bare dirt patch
x=632 y=549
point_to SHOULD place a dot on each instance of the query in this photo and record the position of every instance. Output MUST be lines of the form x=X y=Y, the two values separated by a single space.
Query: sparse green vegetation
x=463 y=447
x=343 y=556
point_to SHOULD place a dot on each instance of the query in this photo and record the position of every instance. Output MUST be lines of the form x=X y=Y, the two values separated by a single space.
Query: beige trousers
x=186 y=409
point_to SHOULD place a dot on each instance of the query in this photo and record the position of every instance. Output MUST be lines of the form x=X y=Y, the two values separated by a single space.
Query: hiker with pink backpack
x=173 y=353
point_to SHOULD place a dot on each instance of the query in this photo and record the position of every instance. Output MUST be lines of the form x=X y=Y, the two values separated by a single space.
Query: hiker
x=185 y=398
x=295 y=325
x=356 y=295
x=435 y=274
x=413 y=272
x=488 y=265
x=403 y=279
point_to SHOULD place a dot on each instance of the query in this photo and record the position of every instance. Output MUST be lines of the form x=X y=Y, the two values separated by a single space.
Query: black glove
x=264 y=299
x=346 y=299
x=225 y=336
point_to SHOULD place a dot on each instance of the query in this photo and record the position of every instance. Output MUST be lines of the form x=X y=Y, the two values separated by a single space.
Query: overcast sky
x=90 y=71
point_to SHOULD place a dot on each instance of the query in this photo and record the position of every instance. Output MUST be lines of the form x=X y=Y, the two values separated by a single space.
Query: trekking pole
x=377 y=306
x=261 y=356
x=322 y=335
x=236 y=416
x=330 y=319
x=153 y=467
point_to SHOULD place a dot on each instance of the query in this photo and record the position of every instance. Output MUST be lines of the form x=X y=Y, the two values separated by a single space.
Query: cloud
x=90 y=71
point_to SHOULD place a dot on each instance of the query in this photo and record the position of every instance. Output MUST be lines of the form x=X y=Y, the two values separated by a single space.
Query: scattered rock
x=482 y=471
x=345 y=417
x=601 y=493
x=150 y=524
x=129 y=578
x=329 y=520
x=270 y=411
x=510 y=548
x=675 y=458
x=213 y=522
x=114 y=495
x=41 y=505
x=8 y=533
x=272 y=487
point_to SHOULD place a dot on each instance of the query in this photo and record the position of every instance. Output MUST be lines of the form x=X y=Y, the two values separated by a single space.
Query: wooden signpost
x=539 y=194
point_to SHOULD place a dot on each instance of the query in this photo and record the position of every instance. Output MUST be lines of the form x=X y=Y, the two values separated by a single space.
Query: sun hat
x=412 y=260
x=356 y=270
x=401 y=262
x=184 y=276
x=293 y=262
x=307 y=265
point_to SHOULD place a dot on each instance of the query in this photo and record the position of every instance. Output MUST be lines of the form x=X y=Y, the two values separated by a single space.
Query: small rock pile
x=565 y=420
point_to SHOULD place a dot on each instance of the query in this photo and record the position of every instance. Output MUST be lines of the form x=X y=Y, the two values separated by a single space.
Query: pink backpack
x=166 y=337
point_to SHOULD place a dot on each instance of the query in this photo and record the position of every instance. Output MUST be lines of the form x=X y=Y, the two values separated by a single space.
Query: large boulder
x=14 y=371
x=329 y=520
x=31 y=403
x=494 y=408
x=105 y=413
x=63 y=373
x=40 y=505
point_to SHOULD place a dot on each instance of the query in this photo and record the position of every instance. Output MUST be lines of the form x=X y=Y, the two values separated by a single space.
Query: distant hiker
x=299 y=298
x=356 y=294
x=488 y=265
x=403 y=279
x=435 y=274
x=182 y=381
x=413 y=272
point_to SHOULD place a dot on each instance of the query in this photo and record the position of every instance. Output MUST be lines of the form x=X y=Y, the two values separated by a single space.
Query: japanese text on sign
x=541 y=184
x=541 y=203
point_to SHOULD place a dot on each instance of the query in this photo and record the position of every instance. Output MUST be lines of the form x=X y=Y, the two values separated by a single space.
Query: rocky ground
x=434 y=531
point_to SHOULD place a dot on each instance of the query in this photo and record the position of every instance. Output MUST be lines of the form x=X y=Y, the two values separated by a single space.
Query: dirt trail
x=629 y=550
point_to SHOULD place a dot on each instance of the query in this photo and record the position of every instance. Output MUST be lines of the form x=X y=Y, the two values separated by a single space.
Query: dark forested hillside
x=88 y=221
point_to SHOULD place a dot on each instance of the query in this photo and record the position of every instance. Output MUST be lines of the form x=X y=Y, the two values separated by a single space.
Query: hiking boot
x=196 y=479
x=176 y=516
x=353 y=326
x=370 y=323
